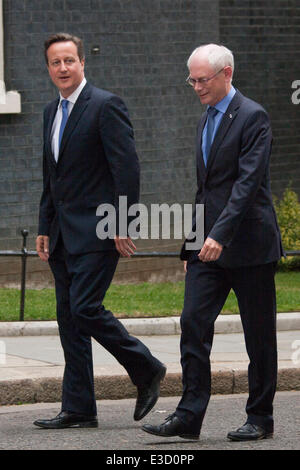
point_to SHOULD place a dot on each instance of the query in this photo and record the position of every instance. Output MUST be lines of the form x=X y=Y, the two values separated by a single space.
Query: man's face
x=64 y=66
x=214 y=90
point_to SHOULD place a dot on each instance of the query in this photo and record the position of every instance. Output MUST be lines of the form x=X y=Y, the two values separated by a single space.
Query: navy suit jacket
x=97 y=163
x=235 y=187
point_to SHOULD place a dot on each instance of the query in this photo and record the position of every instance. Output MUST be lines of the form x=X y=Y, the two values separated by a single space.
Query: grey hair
x=217 y=56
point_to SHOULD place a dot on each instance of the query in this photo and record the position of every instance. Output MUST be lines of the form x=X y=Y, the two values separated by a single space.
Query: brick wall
x=143 y=49
x=264 y=34
x=144 y=46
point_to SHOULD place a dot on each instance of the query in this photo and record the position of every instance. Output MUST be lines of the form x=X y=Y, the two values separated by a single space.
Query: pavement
x=32 y=363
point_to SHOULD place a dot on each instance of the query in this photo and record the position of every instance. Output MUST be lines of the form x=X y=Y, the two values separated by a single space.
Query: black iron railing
x=24 y=254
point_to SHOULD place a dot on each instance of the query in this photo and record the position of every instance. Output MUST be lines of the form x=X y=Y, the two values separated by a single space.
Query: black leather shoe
x=249 y=432
x=148 y=395
x=172 y=427
x=68 y=420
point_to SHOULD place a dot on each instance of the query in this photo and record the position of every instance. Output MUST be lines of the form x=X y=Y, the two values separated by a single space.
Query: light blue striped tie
x=65 y=115
x=212 y=112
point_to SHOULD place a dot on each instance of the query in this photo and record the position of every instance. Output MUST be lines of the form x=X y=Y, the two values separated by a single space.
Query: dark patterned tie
x=212 y=112
x=65 y=115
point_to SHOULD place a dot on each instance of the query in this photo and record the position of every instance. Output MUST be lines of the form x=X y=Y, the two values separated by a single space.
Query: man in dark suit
x=241 y=247
x=89 y=159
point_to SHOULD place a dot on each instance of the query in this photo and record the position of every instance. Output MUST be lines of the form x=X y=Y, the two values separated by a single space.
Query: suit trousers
x=81 y=282
x=206 y=290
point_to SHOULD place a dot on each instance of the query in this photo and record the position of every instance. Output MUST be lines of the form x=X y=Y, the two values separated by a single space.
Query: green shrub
x=288 y=214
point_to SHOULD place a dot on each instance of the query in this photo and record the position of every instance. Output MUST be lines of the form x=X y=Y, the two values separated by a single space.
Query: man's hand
x=42 y=247
x=185 y=266
x=125 y=246
x=210 y=251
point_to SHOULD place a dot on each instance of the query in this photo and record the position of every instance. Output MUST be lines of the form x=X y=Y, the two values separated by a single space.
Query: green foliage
x=288 y=214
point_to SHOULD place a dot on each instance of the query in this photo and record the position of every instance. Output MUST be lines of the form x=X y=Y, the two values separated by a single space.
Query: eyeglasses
x=202 y=81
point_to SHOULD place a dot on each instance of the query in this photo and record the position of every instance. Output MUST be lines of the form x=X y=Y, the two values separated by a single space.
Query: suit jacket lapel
x=200 y=162
x=224 y=126
x=52 y=113
x=78 y=109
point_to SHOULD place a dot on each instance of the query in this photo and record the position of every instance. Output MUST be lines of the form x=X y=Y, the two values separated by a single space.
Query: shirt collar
x=224 y=103
x=73 y=97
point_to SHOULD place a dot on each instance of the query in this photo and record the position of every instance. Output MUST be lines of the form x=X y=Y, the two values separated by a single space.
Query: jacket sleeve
x=119 y=147
x=256 y=142
x=47 y=210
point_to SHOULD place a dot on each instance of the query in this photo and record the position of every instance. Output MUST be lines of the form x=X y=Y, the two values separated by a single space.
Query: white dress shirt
x=58 y=117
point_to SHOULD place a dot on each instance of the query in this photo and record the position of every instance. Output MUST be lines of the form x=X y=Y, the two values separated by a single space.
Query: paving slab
x=31 y=369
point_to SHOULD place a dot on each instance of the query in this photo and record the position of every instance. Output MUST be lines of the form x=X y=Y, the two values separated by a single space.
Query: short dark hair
x=64 y=37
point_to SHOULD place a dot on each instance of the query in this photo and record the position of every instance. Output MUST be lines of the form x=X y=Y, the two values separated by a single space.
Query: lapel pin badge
x=230 y=115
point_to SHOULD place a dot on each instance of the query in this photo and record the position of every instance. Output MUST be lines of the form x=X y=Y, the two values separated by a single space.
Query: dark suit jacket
x=97 y=163
x=235 y=187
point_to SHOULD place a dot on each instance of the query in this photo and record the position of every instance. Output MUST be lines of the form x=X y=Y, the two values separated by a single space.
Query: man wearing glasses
x=241 y=248
x=89 y=159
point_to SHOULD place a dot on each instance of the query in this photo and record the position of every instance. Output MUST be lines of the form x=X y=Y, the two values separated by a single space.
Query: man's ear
x=228 y=72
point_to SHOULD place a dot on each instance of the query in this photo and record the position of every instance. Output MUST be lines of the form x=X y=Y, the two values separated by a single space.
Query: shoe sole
x=190 y=437
x=89 y=424
x=159 y=376
x=241 y=439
